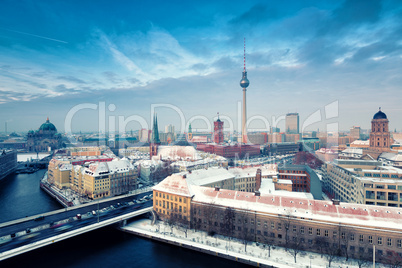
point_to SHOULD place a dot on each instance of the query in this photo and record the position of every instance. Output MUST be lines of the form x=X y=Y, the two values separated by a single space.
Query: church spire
x=155 y=131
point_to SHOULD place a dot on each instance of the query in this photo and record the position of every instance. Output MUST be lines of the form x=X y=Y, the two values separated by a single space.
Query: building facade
x=363 y=182
x=327 y=227
x=292 y=123
x=44 y=139
x=380 y=137
x=8 y=163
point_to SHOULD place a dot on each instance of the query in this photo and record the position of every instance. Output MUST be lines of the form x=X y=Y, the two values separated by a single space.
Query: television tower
x=244 y=84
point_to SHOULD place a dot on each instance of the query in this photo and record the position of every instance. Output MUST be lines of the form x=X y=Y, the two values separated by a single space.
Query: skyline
x=300 y=58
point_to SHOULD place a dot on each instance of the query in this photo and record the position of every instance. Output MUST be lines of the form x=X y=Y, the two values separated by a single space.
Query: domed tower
x=47 y=128
x=379 y=135
x=244 y=83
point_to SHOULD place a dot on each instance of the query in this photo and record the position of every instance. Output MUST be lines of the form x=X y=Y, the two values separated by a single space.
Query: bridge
x=23 y=235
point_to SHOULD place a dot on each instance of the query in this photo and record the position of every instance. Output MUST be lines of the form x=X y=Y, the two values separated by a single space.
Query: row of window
x=173 y=206
x=310 y=231
x=162 y=195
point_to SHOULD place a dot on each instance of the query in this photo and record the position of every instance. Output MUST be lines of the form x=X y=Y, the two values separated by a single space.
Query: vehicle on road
x=39 y=218
x=78 y=216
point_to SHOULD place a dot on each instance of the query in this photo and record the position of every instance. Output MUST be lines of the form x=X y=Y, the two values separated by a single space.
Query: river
x=20 y=196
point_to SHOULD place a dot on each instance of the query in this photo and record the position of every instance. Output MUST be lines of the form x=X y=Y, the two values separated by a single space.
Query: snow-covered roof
x=396 y=157
x=345 y=213
x=177 y=153
x=353 y=151
x=208 y=176
x=360 y=142
x=266 y=170
x=174 y=184
x=104 y=168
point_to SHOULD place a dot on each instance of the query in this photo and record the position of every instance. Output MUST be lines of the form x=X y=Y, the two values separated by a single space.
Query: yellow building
x=103 y=179
x=172 y=199
x=59 y=173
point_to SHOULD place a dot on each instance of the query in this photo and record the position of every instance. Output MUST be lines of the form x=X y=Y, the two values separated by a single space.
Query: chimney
x=258 y=180
x=257 y=193
x=335 y=202
x=217 y=188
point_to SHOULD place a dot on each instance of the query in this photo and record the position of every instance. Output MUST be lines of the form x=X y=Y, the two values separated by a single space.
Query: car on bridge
x=39 y=218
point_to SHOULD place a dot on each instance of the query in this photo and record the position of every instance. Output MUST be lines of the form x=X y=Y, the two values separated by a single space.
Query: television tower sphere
x=244 y=81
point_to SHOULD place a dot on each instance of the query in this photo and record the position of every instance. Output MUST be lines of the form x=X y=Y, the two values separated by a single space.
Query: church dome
x=380 y=115
x=48 y=126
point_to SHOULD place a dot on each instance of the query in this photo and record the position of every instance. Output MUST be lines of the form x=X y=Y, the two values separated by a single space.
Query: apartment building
x=363 y=182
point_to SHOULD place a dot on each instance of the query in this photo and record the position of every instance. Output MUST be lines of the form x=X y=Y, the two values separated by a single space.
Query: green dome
x=48 y=126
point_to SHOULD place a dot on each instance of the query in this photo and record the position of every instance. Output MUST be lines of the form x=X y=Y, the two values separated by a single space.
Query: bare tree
x=295 y=247
x=320 y=243
x=331 y=253
x=286 y=220
x=209 y=212
x=182 y=225
x=345 y=236
x=244 y=232
x=393 y=259
x=228 y=222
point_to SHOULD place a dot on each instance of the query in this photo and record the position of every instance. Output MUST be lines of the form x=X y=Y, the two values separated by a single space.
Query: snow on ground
x=279 y=257
x=22 y=157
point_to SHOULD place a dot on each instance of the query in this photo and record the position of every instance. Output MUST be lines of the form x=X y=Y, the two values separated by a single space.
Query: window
x=361 y=238
x=352 y=237
x=273 y=225
x=334 y=234
x=265 y=233
x=370 y=239
x=258 y=222
x=318 y=232
x=389 y=242
x=273 y=235
x=279 y=226
x=399 y=243
x=379 y=240
x=294 y=228
x=279 y=236
x=310 y=231
x=252 y=221
x=326 y=233
x=343 y=235
x=302 y=229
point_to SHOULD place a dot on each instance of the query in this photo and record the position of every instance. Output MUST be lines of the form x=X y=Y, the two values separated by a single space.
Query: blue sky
x=301 y=56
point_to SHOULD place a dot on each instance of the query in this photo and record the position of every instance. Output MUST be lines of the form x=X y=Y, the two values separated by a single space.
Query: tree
x=331 y=253
x=228 y=222
x=345 y=236
x=286 y=220
x=295 y=247
x=244 y=234
x=320 y=243
x=393 y=259
x=183 y=225
x=363 y=260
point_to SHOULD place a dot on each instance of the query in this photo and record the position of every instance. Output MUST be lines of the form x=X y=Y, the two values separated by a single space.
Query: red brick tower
x=218 y=131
